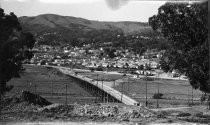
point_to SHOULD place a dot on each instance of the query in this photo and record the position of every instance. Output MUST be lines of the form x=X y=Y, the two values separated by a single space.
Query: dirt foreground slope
x=23 y=110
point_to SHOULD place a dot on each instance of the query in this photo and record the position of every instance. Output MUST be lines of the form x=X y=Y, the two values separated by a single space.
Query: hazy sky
x=102 y=10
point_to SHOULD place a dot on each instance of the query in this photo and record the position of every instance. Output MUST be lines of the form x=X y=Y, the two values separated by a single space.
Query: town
x=87 y=58
x=114 y=62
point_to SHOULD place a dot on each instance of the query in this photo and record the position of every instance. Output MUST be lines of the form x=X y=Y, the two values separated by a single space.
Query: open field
x=175 y=92
x=45 y=81
x=50 y=84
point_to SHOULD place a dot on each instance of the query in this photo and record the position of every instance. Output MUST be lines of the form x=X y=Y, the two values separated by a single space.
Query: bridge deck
x=116 y=94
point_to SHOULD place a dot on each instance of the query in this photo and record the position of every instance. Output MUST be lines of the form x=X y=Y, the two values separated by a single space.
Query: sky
x=101 y=10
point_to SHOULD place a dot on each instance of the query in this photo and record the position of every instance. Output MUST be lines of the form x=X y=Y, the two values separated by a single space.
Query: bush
x=162 y=114
x=148 y=78
x=183 y=114
x=203 y=98
x=92 y=69
x=158 y=96
x=99 y=69
x=141 y=67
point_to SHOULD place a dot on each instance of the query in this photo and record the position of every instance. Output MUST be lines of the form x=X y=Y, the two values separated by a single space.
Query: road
x=118 y=95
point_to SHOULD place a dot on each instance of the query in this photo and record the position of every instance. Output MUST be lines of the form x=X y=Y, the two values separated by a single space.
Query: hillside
x=59 y=30
x=72 y=23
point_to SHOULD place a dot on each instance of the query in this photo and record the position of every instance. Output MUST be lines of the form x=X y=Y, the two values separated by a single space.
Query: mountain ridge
x=60 y=30
x=53 y=20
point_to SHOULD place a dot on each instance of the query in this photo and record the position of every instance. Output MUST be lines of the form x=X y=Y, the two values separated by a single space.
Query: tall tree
x=15 y=47
x=185 y=26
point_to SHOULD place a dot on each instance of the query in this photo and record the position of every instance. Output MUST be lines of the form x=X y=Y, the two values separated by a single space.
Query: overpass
x=107 y=93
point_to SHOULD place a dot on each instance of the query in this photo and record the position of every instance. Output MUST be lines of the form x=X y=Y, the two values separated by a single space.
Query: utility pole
x=35 y=87
x=66 y=94
x=96 y=90
x=158 y=92
x=102 y=84
x=146 y=89
x=103 y=93
x=188 y=94
x=122 y=91
x=192 y=95
x=128 y=84
x=52 y=90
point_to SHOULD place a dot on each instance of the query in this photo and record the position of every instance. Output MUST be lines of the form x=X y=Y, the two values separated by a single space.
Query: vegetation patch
x=157 y=96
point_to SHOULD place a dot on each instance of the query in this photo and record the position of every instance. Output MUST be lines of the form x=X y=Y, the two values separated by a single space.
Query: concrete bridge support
x=101 y=96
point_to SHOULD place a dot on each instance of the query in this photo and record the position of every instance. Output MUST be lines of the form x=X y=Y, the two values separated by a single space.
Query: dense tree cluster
x=97 y=38
x=15 y=47
x=185 y=26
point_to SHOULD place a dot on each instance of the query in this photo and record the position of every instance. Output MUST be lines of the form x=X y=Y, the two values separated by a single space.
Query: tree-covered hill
x=54 y=29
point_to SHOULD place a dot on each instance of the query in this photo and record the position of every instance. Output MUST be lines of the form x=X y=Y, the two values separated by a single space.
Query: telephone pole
x=146 y=90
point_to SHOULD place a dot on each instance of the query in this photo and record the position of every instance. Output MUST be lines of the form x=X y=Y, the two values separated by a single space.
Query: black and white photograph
x=104 y=62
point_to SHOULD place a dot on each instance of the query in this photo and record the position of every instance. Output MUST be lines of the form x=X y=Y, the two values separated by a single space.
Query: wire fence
x=157 y=93
x=149 y=93
x=154 y=91
x=55 y=91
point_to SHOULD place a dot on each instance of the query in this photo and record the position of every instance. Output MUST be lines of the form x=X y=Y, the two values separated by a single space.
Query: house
x=154 y=64
x=136 y=76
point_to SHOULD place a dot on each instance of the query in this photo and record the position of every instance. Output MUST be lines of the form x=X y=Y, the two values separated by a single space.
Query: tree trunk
x=0 y=104
x=208 y=102
x=2 y=90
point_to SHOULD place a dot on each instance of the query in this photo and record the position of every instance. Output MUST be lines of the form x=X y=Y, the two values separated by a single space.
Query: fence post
x=122 y=91
x=66 y=93
x=35 y=87
x=146 y=89
x=192 y=95
x=107 y=98
x=97 y=93
x=128 y=84
x=30 y=87
x=158 y=92
x=208 y=105
x=188 y=96
x=52 y=91
x=102 y=85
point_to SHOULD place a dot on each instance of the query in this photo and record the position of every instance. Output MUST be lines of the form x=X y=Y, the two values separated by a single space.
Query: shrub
x=203 y=98
x=99 y=69
x=92 y=69
x=183 y=114
x=162 y=114
x=148 y=78
x=158 y=96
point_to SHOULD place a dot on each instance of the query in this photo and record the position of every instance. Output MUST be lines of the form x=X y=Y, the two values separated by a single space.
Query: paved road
x=118 y=95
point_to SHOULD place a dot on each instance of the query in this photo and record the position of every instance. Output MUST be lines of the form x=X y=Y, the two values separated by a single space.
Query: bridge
x=99 y=89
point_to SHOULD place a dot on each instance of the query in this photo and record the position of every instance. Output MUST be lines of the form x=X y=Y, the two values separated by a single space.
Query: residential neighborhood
x=94 y=58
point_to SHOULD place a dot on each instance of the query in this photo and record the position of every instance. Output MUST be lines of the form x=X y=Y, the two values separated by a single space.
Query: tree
x=141 y=67
x=185 y=27
x=15 y=47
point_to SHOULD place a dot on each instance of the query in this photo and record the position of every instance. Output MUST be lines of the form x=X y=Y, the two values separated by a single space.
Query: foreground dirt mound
x=123 y=113
x=27 y=101
x=100 y=111
x=31 y=98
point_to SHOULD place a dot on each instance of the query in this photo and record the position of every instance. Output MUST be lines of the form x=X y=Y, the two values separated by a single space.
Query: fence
x=174 y=94
x=55 y=91
x=160 y=92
